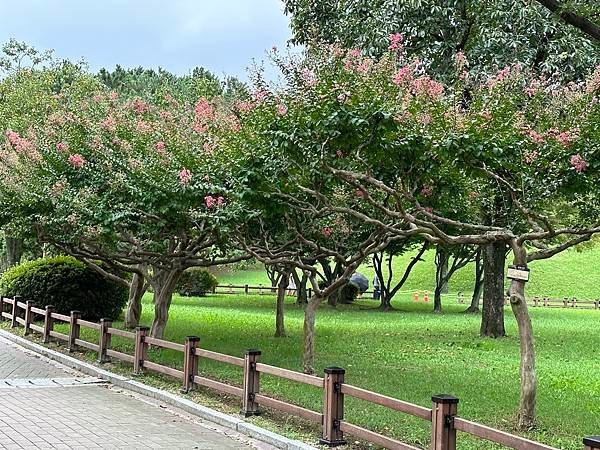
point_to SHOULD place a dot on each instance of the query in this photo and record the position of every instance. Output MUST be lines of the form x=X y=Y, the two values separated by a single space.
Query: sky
x=223 y=36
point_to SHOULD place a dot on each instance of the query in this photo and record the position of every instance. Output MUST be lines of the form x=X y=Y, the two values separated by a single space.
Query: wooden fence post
x=28 y=320
x=596 y=304
x=260 y=287
x=443 y=434
x=574 y=303
x=48 y=323
x=190 y=362
x=246 y=289
x=545 y=301
x=104 y=343
x=74 y=330
x=333 y=407
x=1 y=307
x=140 y=349
x=565 y=302
x=591 y=442
x=251 y=383
x=535 y=302
x=15 y=312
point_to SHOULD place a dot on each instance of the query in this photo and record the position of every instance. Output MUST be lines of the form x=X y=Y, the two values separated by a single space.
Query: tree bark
x=137 y=289
x=164 y=284
x=301 y=292
x=477 y=288
x=437 y=300
x=572 y=18
x=284 y=280
x=442 y=270
x=14 y=251
x=309 y=334
x=492 y=318
x=526 y=414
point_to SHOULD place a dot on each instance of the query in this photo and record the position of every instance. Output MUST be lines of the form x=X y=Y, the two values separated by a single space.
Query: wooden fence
x=418 y=296
x=443 y=414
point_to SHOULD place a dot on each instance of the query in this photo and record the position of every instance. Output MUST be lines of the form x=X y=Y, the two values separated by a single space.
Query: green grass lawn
x=410 y=354
x=570 y=274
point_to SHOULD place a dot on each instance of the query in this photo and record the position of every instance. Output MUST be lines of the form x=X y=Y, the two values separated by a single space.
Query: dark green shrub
x=196 y=283
x=68 y=285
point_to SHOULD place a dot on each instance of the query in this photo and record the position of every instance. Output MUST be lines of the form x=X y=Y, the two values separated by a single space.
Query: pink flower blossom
x=109 y=124
x=76 y=160
x=113 y=95
x=62 y=147
x=531 y=156
x=530 y=91
x=566 y=138
x=404 y=74
x=426 y=191
x=204 y=110
x=578 y=163
x=339 y=154
x=327 y=231
x=134 y=163
x=220 y=201
x=426 y=86
x=282 y=109
x=160 y=146
x=535 y=136
x=97 y=98
x=142 y=126
x=244 y=106
x=260 y=94
x=354 y=53
x=140 y=106
x=19 y=143
x=396 y=41
x=208 y=147
x=425 y=119
x=209 y=201
x=360 y=193
x=309 y=77
x=460 y=60
x=429 y=209
x=185 y=176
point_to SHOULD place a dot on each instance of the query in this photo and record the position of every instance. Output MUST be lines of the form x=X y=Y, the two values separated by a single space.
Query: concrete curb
x=186 y=405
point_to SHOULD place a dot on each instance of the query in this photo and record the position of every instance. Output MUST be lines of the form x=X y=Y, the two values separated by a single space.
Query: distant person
x=291 y=289
x=376 y=288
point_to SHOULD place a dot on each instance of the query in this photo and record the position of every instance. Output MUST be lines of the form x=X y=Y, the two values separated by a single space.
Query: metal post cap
x=444 y=399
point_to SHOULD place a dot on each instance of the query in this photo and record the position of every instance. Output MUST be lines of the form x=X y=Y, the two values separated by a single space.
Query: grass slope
x=569 y=274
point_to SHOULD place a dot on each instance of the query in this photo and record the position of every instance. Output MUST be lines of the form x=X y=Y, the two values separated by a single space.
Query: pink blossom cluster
x=185 y=176
x=76 y=160
x=139 y=106
x=282 y=109
x=403 y=74
x=427 y=86
x=160 y=146
x=360 y=193
x=212 y=202
x=499 y=78
x=244 y=106
x=143 y=127
x=204 y=113
x=260 y=95
x=19 y=143
x=62 y=147
x=396 y=40
x=578 y=163
x=109 y=124
x=426 y=191
x=461 y=60
x=530 y=156
x=535 y=136
x=327 y=231
x=309 y=77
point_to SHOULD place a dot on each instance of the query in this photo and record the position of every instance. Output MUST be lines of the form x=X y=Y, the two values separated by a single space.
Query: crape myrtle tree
x=382 y=128
x=556 y=39
x=134 y=185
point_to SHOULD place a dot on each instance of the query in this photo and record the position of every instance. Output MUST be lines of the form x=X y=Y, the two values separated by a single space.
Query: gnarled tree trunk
x=442 y=258
x=526 y=415
x=137 y=288
x=310 y=314
x=164 y=283
x=14 y=251
x=284 y=280
x=301 y=292
x=492 y=318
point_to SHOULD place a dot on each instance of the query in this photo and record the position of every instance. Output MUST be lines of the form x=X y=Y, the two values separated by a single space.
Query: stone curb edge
x=188 y=406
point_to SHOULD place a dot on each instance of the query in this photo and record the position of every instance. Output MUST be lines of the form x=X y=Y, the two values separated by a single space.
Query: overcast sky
x=221 y=35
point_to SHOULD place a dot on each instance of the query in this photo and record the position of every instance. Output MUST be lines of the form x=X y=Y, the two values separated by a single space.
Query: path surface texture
x=44 y=405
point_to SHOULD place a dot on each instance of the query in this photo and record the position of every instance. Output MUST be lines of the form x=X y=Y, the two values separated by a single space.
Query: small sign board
x=518 y=273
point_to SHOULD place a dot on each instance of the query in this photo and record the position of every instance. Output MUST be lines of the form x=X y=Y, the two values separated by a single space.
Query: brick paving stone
x=88 y=416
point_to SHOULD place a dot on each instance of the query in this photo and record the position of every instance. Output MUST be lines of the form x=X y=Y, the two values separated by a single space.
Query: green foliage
x=196 y=282
x=66 y=284
x=492 y=34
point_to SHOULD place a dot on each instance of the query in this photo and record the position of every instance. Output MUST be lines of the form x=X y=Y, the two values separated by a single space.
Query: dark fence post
x=443 y=434
x=15 y=312
x=140 y=349
x=591 y=442
x=74 y=330
x=246 y=289
x=48 y=323
x=104 y=343
x=1 y=307
x=251 y=383
x=190 y=362
x=28 y=320
x=333 y=407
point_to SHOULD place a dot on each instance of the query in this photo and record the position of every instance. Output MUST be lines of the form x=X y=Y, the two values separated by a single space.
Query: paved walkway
x=44 y=405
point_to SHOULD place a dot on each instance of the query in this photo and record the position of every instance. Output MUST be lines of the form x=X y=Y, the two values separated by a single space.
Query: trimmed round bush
x=196 y=283
x=68 y=285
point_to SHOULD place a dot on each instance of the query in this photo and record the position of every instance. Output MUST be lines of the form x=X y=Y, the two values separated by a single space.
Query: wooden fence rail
x=442 y=414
